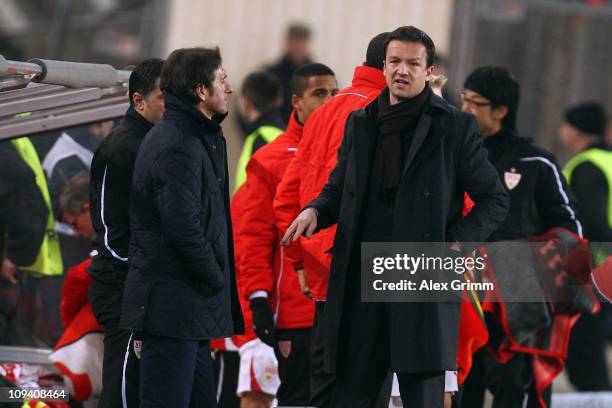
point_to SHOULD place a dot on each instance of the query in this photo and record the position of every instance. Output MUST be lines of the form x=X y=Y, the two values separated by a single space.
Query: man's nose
x=403 y=68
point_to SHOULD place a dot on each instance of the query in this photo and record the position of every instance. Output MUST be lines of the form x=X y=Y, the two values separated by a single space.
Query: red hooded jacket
x=263 y=265
x=309 y=171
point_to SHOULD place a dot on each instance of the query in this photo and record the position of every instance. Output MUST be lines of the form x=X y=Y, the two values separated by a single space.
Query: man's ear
x=86 y=207
x=429 y=72
x=202 y=92
x=500 y=112
x=295 y=101
x=138 y=101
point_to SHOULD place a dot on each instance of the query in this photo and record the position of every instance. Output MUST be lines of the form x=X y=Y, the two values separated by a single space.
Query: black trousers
x=226 y=366
x=292 y=352
x=321 y=381
x=586 y=360
x=176 y=373
x=509 y=383
x=120 y=366
x=364 y=361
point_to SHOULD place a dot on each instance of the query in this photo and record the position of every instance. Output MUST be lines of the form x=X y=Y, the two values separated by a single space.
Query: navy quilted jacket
x=181 y=281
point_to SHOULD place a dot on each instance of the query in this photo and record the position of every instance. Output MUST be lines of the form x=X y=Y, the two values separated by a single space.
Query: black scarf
x=393 y=120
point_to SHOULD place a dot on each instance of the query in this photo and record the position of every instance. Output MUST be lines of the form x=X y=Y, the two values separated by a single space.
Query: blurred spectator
x=437 y=83
x=78 y=354
x=441 y=70
x=111 y=180
x=589 y=174
x=260 y=100
x=296 y=53
x=74 y=205
x=30 y=247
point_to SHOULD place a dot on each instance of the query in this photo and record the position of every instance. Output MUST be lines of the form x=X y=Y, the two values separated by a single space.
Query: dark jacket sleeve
x=177 y=176
x=112 y=204
x=23 y=211
x=591 y=188
x=555 y=201
x=477 y=177
x=328 y=201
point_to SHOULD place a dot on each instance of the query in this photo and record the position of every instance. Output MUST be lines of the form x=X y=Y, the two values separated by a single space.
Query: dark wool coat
x=447 y=159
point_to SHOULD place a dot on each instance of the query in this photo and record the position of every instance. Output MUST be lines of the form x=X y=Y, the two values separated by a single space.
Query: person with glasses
x=539 y=200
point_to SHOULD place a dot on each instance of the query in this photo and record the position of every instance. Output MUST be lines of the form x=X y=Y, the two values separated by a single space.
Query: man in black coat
x=403 y=167
x=109 y=197
x=181 y=288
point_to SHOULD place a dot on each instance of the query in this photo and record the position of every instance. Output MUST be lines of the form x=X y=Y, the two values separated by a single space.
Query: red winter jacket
x=263 y=265
x=308 y=172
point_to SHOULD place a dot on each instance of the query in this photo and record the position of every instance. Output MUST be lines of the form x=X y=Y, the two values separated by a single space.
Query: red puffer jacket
x=263 y=265
x=308 y=172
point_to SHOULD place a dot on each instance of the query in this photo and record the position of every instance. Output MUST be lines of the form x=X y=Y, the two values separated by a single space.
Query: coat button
x=427 y=235
x=426 y=193
x=219 y=179
x=214 y=147
x=141 y=307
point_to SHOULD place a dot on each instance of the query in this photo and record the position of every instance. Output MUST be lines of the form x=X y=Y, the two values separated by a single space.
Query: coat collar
x=177 y=108
x=369 y=77
x=436 y=103
x=431 y=129
x=294 y=129
x=136 y=118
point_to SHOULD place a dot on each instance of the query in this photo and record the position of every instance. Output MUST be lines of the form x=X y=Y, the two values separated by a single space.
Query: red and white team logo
x=511 y=179
x=138 y=348
x=284 y=347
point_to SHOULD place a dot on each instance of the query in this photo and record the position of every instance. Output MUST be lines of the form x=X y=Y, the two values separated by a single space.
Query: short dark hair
x=298 y=30
x=75 y=194
x=186 y=68
x=299 y=80
x=377 y=49
x=263 y=89
x=143 y=77
x=413 y=34
x=499 y=87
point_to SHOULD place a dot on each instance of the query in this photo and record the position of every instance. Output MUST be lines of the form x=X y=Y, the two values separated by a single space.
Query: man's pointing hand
x=305 y=223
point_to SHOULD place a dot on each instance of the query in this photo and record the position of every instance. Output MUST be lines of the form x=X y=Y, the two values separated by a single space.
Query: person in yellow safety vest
x=260 y=101
x=589 y=172
x=29 y=244
x=589 y=175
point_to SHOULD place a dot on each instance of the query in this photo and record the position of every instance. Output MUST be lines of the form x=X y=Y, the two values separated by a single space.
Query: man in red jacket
x=302 y=182
x=282 y=315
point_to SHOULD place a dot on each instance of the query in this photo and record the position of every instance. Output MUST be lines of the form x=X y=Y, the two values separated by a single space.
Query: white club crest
x=511 y=179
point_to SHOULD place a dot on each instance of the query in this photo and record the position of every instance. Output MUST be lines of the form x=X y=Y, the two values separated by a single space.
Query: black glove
x=263 y=321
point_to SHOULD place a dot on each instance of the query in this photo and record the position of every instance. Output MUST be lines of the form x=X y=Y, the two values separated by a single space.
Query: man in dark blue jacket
x=181 y=288
x=111 y=178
